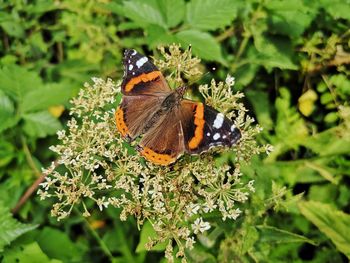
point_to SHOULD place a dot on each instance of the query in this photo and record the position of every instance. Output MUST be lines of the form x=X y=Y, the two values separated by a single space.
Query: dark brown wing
x=141 y=76
x=205 y=127
x=134 y=113
x=144 y=89
x=164 y=142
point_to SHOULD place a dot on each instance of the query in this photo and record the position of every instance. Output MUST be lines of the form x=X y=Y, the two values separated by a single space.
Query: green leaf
x=198 y=254
x=146 y=233
x=336 y=8
x=203 y=44
x=143 y=13
x=173 y=11
x=7 y=152
x=40 y=124
x=13 y=28
x=29 y=253
x=250 y=236
x=50 y=95
x=325 y=144
x=209 y=240
x=7 y=112
x=10 y=228
x=52 y=241
x=211 y=14
x=272 y=234
x=16 y=81
x=157 y=35
x=334 y=223
x=260 y=101
x=274 y=52
x=290 y=18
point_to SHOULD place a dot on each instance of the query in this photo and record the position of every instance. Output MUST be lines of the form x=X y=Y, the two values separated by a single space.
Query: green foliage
x=291 y=60
x=332 y=222
x=10 y=228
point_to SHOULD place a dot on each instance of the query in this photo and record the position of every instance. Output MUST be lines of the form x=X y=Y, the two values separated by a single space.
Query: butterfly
x=169 y=124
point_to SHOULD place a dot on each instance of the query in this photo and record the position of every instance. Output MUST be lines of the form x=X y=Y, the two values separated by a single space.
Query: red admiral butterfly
x=170 y=125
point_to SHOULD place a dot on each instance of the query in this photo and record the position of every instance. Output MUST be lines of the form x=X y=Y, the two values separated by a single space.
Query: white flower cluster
x=175 y=199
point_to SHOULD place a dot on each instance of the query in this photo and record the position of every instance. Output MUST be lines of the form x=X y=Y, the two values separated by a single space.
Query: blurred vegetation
x=290 y=58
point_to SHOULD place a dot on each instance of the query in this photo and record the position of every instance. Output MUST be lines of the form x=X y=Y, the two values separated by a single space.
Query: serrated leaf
x=7 y=152
x=211 y=14
x=324 y=143
x=157 y=35
x=143 y=13
x=203 y=44
x=13 y=28
x=274 y=52
x=16 y=81
x=250 y=237
x=51 y=242
x=49 y=95
x=40 y=124
x=272 y=234
x=173 y=11
x=146 y=233
x=336 y=8
x=28 y=253
x=10 y=228
x=7 y=112
x=290 y=18
x=334 y=223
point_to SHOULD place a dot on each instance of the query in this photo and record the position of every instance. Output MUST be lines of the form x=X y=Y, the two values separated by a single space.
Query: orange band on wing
x=199 y=122
x=119 y=119
x=157 y=158
x=144 y=77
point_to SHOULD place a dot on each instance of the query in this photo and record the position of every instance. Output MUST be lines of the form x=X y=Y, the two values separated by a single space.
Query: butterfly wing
x=141 y=76
x=164 y=142
x=134 y=113
x=144 y=89
x=205 y=127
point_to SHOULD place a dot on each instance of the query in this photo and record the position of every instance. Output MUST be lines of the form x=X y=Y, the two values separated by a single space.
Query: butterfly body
x=169 y=125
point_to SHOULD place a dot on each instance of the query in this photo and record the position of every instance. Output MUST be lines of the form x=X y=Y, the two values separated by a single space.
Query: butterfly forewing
x=144 y=89
x=206 y=128
x=142 y=76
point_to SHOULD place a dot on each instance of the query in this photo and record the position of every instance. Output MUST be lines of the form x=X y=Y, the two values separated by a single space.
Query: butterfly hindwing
x=134 y=113
x=164 y=142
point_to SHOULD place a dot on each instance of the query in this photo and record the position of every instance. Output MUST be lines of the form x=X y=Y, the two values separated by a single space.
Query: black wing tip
x=130 y=53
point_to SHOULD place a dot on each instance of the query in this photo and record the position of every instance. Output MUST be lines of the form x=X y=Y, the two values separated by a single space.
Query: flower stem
x=102 y=244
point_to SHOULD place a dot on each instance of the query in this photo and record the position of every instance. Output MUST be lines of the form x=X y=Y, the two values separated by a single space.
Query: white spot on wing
x=141 y=61
x=219 y=120
x=208 y=134
x=233 y=127
x=131 y=67
x=133 y=53
x=216 y=136
x=224 y=137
